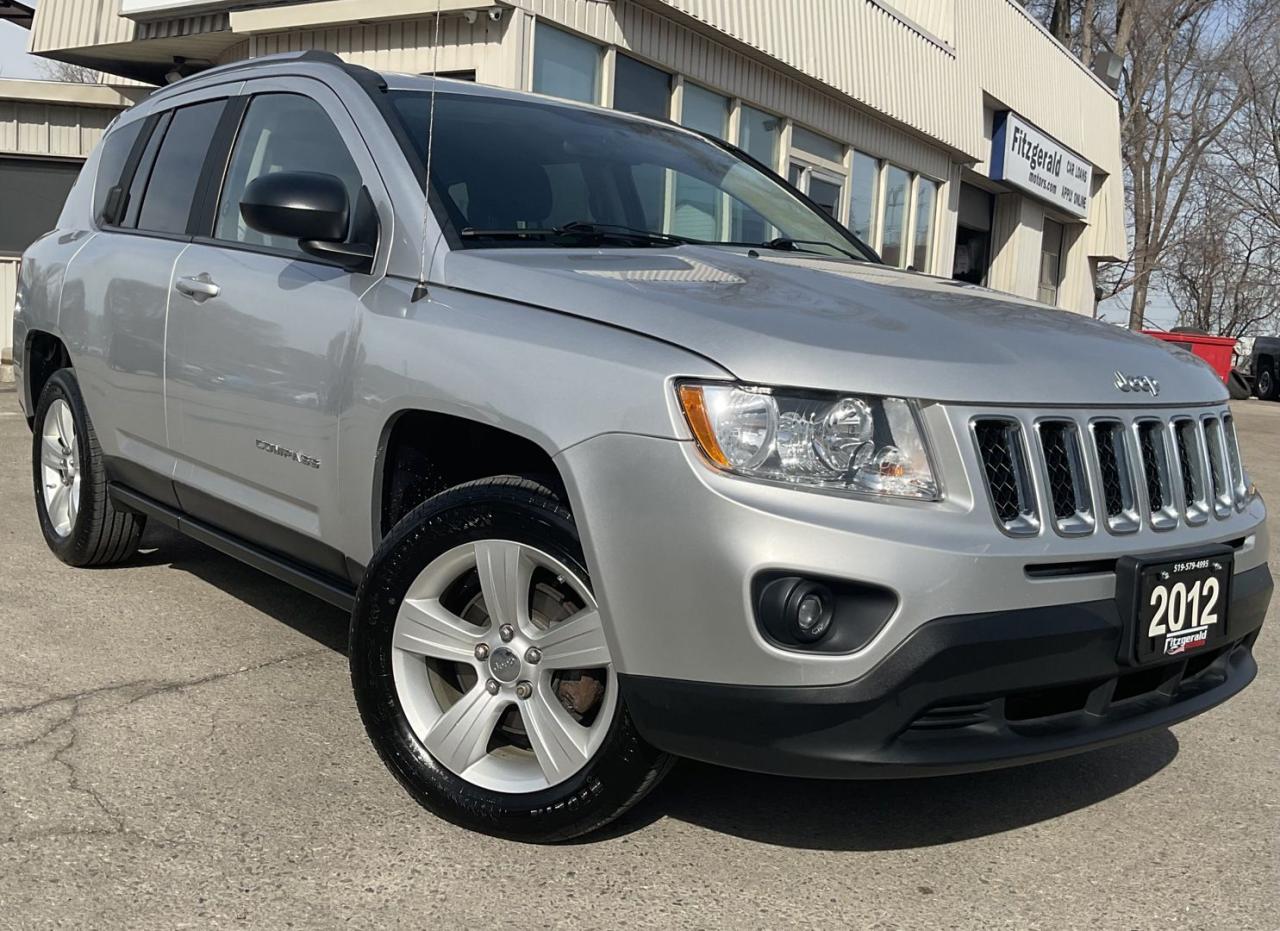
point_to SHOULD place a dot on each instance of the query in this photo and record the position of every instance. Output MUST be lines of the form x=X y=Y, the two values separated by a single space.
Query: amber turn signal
x=695 y=412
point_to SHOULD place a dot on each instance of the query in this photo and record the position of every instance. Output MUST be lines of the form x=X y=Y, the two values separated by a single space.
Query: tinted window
x=171 y=189
x=115 y=153
x=281 y=132
x=32 y=192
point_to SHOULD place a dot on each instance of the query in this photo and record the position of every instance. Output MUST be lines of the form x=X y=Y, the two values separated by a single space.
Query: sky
x=14 y=60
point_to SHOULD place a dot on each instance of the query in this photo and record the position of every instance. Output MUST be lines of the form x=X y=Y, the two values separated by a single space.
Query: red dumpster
x=1216 y=350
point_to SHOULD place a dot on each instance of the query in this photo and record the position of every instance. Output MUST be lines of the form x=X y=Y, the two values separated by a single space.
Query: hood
x=811 y=322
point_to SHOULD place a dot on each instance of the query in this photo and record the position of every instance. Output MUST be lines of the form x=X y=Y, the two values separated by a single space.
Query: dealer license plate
x=1181 y=605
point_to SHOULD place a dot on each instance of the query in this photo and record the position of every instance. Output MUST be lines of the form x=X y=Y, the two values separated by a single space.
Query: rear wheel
x=80 y=523
x=1268 y=387
x=483 y=673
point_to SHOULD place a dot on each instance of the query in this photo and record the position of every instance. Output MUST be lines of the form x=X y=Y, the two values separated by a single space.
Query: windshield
x=526 y=174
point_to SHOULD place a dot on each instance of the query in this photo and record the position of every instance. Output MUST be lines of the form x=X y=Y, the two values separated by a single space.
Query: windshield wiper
x=583 y=228
x=787 y=244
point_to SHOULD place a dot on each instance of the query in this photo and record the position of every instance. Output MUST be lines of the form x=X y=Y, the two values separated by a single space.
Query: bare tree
x=1187 y=76
x=1221 y=277
x=69 y=73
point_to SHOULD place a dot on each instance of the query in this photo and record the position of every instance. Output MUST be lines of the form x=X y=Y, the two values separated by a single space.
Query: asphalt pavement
x=179 y=748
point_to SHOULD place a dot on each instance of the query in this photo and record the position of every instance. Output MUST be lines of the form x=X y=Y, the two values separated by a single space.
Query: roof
x=11 y=11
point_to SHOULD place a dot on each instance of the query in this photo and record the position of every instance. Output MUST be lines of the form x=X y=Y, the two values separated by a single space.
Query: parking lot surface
x=179 y=748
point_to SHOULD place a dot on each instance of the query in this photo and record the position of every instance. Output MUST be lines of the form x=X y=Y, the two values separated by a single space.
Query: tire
x=81 y=525
x=1238 y=386
x=1267 y=387
x=507 y=774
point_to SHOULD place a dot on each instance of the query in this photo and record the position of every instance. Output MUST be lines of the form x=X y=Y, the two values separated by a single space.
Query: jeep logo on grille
x=1127 y=383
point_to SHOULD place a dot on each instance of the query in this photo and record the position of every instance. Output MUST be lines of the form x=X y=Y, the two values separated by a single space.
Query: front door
x=261 y=341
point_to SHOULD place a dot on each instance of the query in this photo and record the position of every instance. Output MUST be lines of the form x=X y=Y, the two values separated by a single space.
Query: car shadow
x=785 y=812
x=306 y=614
x=895 y=814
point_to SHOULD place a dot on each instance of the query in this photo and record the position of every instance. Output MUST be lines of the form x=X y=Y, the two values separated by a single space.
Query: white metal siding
x=397 y=45
x=62 y=130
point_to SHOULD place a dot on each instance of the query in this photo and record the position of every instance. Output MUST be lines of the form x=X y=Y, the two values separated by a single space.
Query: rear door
x=117 y=292
x=262 y=337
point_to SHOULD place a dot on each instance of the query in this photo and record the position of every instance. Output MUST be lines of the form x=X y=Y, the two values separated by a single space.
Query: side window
x=107 y=193
x=281 y=132
x=171 y=188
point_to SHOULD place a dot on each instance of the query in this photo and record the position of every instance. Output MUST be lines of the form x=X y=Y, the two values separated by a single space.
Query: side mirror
x=308 y=206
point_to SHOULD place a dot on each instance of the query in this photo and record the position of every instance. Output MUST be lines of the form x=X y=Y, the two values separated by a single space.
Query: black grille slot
x=1188 y=452
x=1151 y=444
x=1000 y=447
x=1109 y=439
x=1058 y=460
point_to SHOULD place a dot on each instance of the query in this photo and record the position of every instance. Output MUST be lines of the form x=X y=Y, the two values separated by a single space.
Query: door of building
x=973 y=235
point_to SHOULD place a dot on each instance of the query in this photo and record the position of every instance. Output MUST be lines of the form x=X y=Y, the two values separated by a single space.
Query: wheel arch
x=422 y=452
x=44 y=353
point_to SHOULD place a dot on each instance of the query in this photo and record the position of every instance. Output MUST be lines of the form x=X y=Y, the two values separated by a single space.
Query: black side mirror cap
x=301 y=205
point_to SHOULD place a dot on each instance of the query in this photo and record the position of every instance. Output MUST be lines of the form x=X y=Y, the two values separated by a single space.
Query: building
x=956 y=136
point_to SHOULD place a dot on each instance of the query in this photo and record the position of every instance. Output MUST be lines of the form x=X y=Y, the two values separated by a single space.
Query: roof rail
x=310 y=56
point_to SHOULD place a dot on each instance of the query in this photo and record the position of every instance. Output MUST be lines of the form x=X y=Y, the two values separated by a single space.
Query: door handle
x=199 y=288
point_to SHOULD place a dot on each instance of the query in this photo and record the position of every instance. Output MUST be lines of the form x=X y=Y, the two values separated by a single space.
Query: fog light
x=809 y=611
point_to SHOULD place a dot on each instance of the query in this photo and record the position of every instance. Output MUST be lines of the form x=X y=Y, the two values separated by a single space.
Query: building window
x=1051 y=262
x=759 y=135
x=642 y=89
x=565 y=66
x=699 y=206
x=926 y=208
x=897 y=194
x=705 y=111
x=818 y=148
x=864 y=188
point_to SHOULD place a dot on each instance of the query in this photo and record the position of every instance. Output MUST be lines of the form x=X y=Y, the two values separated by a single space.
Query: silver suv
x=621 y=450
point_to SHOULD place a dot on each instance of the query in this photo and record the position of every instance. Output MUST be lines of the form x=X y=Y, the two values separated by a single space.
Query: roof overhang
x=11 y=11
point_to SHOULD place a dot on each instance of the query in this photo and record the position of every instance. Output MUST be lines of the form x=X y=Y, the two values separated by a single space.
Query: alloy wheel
x=501 y=666
x=60 y=467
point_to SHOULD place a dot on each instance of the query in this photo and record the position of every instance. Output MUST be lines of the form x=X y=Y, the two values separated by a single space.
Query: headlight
x=848 y=442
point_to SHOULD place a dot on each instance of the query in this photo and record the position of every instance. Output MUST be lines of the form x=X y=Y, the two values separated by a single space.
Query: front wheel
x=483 y=673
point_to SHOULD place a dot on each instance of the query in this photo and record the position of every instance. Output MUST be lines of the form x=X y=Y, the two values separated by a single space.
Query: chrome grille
x=1004 y=464
x=1131 y=471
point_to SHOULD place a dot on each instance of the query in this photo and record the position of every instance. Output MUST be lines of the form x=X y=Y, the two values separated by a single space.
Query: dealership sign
x=1039 y=164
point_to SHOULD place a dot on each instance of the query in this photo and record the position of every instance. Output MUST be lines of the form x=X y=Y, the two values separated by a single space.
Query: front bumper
x=958 y=694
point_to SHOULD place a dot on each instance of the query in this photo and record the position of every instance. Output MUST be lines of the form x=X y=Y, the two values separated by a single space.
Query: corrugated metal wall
x=862 y=50
x=65 y=130
x=399 y=45
x=936 y=16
